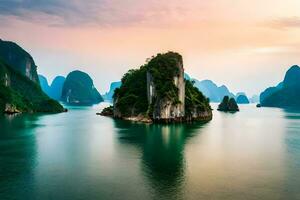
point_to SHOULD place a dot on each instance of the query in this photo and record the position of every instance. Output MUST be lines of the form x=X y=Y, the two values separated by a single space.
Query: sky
x=246 y=45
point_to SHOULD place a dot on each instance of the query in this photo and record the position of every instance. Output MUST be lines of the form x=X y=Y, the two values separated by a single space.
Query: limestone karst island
x=149 y=100
x=158 y=92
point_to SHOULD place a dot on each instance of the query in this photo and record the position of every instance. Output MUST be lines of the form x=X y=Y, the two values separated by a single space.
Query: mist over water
x=252 y=154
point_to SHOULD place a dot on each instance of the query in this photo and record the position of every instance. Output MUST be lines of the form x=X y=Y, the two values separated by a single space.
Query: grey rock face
x=164 y=108
x=19 y=59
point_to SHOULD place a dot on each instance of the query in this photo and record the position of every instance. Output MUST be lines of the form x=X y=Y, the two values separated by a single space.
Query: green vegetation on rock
x=18 y=59
x=131 y=98
x=163 y=70
x=153 y=91
x=79 y=89
x=194 y=99
x=20 y=94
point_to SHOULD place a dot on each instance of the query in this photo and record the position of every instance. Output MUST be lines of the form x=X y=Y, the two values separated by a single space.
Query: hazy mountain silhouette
x=285 y=94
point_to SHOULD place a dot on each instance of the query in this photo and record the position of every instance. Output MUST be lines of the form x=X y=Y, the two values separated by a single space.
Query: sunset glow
x=233 y=42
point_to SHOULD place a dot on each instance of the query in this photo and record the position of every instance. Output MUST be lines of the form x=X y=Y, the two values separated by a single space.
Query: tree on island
x=158 y=92
x=228 y=105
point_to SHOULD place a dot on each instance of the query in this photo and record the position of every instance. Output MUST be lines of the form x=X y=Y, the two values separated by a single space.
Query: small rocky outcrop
x=228 y=105
x=11 y=109
x=158 y=92
x=79 y=89
x=108 y=111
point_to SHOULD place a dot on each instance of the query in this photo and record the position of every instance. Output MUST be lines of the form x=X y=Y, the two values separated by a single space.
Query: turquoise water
x=253 y=154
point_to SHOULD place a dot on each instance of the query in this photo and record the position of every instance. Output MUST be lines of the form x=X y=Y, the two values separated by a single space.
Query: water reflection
x=292 y=143
x=162 y=149
x=17 y=155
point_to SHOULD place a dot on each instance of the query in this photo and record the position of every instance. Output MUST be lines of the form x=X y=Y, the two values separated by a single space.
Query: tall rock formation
x=19 y=59
x=163 y=107
x=79 y=89
x=19 y=88
x=158 y=92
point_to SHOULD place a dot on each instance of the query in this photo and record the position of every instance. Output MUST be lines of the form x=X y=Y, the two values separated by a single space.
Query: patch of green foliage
x=132 y=95
x=163 y=68
x=23 y=93
x=194 y=99
x=108 y=111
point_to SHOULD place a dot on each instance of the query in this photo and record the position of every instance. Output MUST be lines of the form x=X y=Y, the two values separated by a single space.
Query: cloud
x=92 y=12
x=282 y=23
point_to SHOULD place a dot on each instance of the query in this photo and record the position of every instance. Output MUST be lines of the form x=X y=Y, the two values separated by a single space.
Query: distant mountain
x=79 y=89
x=254 y=99
x=242 y=99
x=108 y=96
x=20 y=89
x=55 y=90
x=44 y=84
x=286 y=94
x=207 y=87
x=211 y=90
x=269 y=91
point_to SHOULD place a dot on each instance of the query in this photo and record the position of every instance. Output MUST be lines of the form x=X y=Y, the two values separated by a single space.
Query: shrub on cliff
x=194 y=99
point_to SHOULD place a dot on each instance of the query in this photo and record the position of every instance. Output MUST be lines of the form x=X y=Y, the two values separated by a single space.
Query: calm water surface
x=253 y=154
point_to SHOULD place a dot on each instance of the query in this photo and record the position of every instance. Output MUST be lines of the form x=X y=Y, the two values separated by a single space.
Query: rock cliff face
x=19 y=94
x=79 y=89
x=164 y=108
x=20 y=60
x=158 y=92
